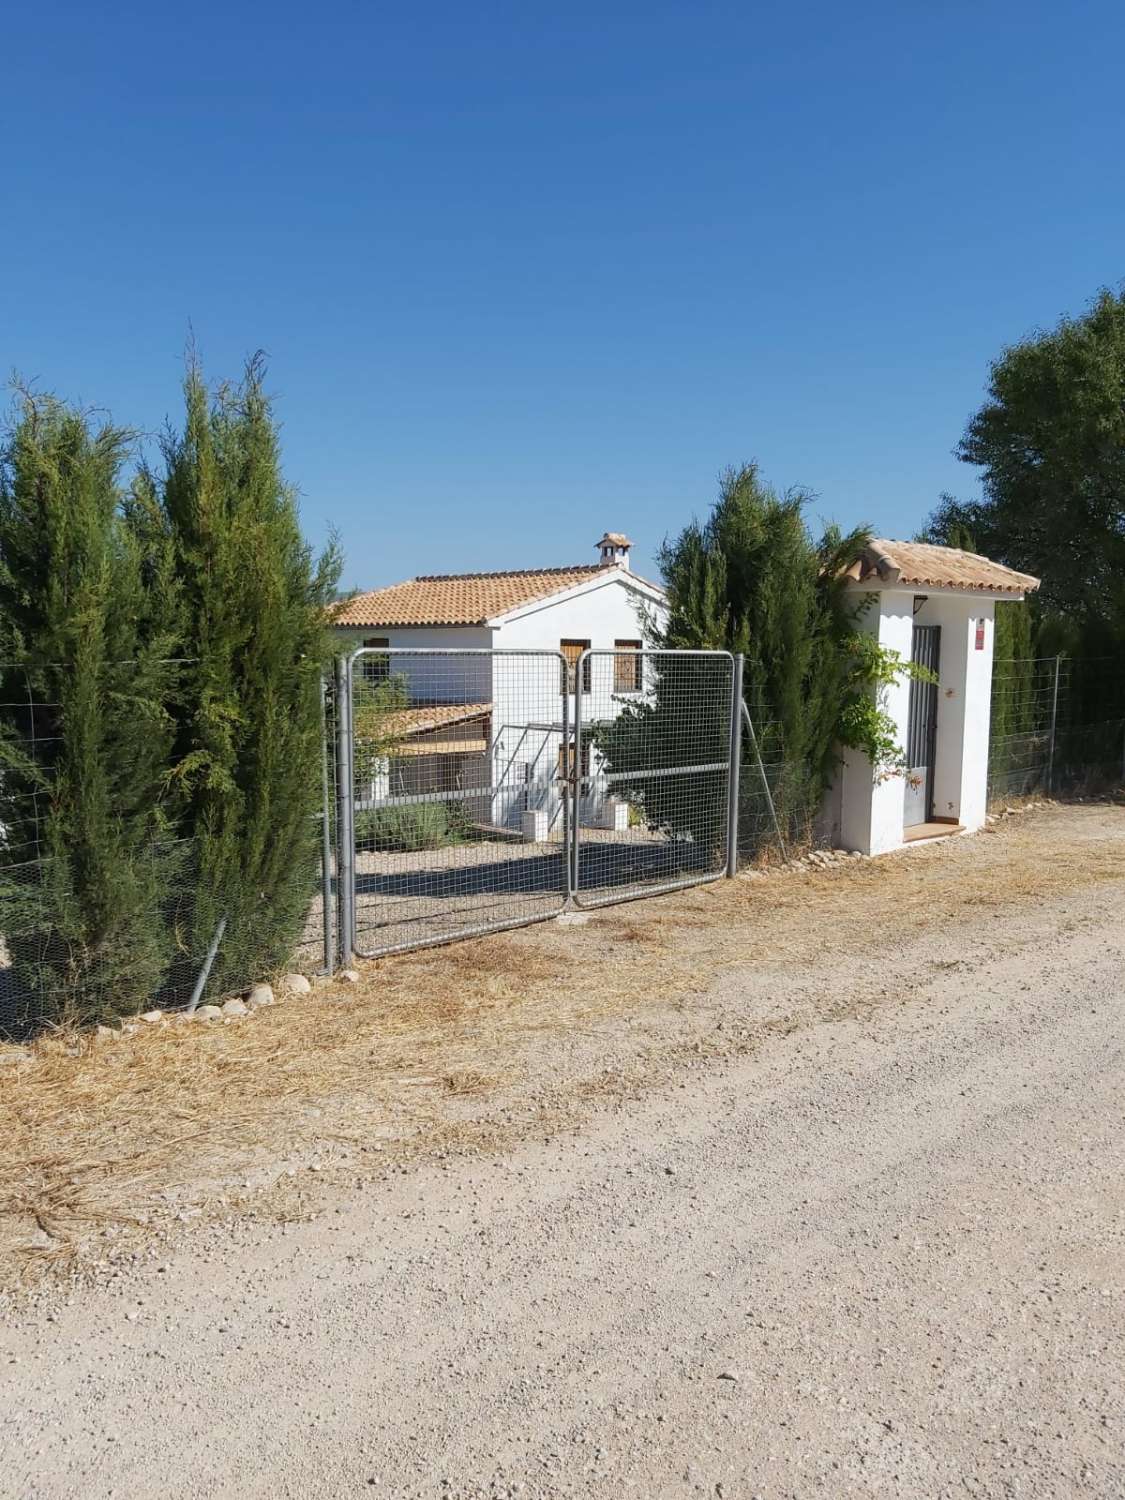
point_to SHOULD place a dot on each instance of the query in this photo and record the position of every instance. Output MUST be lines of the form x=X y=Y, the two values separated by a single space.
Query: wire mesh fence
x=654 y=738
x=460 y=812
x=1026 y=694
x=489 y=787
x=1057 y=726
x=780 y=806
x=106 y=907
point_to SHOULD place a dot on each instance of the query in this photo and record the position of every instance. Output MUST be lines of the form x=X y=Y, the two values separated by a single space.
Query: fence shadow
x=600 y=865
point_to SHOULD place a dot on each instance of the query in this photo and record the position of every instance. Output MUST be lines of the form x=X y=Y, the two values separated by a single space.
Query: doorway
x=921 y=737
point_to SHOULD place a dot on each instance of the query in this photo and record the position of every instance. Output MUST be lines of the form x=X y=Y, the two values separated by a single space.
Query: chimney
x=614 y=550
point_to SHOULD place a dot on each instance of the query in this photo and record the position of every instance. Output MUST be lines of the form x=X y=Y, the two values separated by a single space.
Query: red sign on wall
x=980 y=635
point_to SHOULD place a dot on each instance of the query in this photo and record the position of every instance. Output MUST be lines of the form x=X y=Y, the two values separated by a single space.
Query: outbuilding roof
x=425 y=717
x=466 y=598
x=924 y=565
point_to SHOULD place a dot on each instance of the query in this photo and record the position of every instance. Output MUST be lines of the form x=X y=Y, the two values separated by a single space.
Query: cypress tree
x=256 y=633
x=86 y=620
x=750 y=579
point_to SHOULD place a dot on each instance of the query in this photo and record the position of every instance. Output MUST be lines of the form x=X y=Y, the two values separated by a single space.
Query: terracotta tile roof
x=922 y=565
x=419 y=719
x=459 y=598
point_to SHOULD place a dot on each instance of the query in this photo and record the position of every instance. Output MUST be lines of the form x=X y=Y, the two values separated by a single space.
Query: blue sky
x=525 y=272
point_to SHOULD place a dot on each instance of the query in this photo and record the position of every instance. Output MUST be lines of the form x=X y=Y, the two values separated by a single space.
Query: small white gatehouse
x=934 y=605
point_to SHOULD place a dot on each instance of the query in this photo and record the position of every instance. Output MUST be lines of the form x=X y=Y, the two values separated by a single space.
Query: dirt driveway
x=819 y=1189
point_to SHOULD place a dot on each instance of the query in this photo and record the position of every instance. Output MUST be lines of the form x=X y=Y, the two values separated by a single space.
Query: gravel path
x=881 y=1256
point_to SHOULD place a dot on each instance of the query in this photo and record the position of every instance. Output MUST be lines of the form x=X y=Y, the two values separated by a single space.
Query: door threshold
x=931 y=831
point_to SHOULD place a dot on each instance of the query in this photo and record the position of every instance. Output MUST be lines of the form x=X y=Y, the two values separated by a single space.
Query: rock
x=293 y=984
x=728 y=1375
x=235 y=1008
x=207 y=1013
x=153 y=1017
x=13 y=1057
x=260 y=994
x=104 y=1032
x=348 y=976
x=573 y=918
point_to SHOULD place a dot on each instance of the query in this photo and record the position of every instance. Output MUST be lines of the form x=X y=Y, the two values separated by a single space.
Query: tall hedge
x=87 y=628
x=256 y=636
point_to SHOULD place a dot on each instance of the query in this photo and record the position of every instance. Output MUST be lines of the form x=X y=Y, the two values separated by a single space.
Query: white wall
x=870 y=810
x=445 y=679
x=529 y=692
x=871 y=806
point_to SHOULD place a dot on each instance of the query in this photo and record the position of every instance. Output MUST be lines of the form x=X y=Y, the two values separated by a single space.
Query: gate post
x=345 y=811
x=327 y=913
x=574 y=769
x=735 y=765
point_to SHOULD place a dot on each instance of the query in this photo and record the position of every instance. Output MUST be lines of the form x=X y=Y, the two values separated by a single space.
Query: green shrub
x=402 y=830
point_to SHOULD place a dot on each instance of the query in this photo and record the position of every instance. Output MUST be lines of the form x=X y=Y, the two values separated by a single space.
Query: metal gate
x=457 y=806
x=485 y=789
x=921 y=735
x=655 y=774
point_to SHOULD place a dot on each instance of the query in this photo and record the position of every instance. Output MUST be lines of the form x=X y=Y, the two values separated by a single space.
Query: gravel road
x=882 y=1255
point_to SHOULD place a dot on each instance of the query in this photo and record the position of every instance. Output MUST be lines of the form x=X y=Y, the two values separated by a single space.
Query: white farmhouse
x=936 y=606
x=496 y=725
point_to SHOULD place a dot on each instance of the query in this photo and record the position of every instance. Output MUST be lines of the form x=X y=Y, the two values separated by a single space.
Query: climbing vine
x=864 y=723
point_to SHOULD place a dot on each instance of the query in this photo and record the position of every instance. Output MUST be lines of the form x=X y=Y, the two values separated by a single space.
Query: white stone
x=235 y=1008
x=293 y=984
x=153 y=1017
x=260 y=994
x=207 y=1013
x=348 y=976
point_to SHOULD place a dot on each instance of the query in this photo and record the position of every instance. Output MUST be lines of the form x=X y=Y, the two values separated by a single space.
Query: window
x=376 y=668
x=628 y=668
x=572 y=650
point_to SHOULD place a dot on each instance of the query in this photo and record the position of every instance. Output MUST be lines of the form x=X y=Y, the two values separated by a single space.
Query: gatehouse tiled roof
x=923 y=565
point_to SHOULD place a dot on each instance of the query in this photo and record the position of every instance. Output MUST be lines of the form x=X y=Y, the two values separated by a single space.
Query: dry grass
x=98 y=1130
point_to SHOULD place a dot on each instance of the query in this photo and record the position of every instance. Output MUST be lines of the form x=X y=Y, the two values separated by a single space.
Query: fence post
x=575 y=777
x=326 y=837
x=735 y=765
x=1054 y=725
x=345 y=812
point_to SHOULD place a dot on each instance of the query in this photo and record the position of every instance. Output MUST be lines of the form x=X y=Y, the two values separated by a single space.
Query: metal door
x=922 y=728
